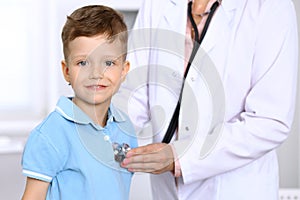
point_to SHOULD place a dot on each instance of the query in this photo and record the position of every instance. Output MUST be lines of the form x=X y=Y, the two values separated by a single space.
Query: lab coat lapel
x=221 y=25
x=174 y=16
x=219 y=33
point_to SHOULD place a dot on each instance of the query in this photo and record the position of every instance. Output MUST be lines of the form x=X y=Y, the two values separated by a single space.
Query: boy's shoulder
x=51 y=128
x=59 y=117
x=55 y=123
x=52 y=121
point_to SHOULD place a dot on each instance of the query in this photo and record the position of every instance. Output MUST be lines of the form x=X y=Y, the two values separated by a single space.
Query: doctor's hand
x=153 y=158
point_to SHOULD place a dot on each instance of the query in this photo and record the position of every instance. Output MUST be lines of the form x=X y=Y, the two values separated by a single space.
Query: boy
x=70 y=154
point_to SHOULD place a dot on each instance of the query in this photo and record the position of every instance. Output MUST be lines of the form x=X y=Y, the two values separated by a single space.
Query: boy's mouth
x=96 y=87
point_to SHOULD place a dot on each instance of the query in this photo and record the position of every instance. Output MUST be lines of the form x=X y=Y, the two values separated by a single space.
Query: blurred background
x=31 y=83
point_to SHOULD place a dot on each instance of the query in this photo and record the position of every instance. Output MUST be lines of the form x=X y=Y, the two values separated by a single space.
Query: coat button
x=176 y=75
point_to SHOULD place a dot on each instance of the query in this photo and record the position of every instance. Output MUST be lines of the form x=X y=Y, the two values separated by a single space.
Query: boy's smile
x=97 y=87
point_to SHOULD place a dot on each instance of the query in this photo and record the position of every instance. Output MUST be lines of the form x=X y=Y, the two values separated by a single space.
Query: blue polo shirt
x=75 y=155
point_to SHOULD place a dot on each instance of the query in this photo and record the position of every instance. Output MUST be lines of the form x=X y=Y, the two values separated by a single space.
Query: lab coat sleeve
x=266 y=119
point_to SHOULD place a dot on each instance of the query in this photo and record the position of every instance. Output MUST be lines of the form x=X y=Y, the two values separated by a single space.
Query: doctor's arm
x=35 y=189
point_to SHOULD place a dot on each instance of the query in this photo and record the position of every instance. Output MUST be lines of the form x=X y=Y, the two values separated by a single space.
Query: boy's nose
x=97 y=71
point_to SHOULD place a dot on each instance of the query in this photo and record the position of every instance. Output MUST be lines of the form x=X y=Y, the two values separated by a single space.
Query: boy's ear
x=65 y=70
x=126 y=67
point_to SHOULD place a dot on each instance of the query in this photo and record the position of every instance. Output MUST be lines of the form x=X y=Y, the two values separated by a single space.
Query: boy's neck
x=100 y=116
x=98 y=113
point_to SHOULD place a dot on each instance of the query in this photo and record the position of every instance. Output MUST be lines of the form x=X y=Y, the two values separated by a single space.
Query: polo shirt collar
x=72 y=112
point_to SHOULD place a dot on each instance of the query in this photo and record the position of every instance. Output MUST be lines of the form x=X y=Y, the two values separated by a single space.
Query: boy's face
x=95 y=68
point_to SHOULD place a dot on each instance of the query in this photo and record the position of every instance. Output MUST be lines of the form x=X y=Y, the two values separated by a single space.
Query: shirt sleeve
x=177 y=168
x=41 y=160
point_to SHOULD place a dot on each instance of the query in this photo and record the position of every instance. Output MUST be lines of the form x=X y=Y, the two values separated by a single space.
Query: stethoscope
x=199 y=39
x=197 y=42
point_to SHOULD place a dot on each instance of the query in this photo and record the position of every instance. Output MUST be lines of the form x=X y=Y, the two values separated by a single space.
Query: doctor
x=224 y=147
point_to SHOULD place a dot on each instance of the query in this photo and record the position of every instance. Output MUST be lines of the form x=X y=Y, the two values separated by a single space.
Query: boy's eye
x=109 y=63
x=83 y=63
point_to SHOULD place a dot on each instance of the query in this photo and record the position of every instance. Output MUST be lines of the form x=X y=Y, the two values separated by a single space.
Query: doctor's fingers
x=153 y=153
x=150 y=148
x=146 y=163
x=154 y=161
x=155 y=169
x=142 y=159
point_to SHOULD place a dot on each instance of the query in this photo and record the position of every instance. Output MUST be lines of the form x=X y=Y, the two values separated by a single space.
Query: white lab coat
x=252 y=45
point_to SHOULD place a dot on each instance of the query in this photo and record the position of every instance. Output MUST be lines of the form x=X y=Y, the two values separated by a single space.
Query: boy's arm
x=35 y=189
